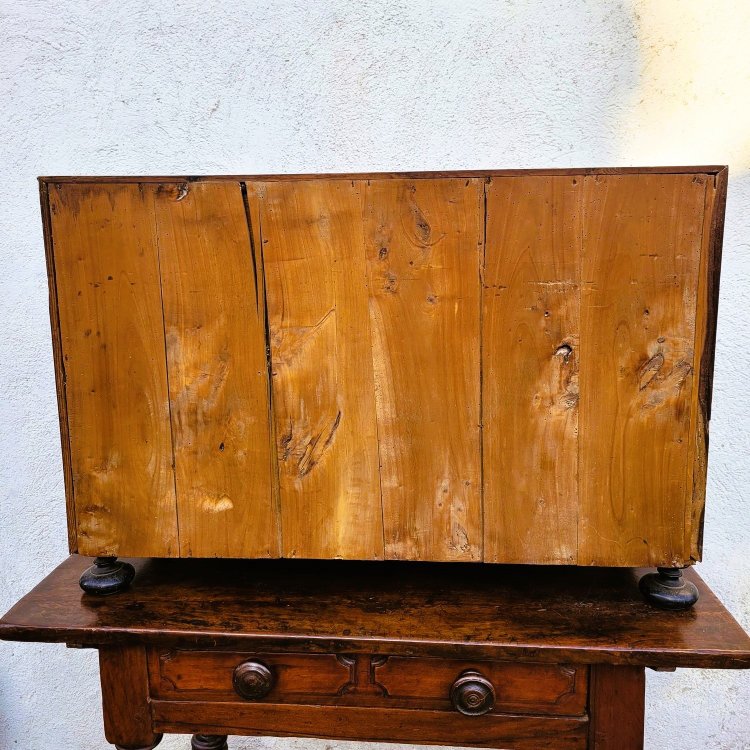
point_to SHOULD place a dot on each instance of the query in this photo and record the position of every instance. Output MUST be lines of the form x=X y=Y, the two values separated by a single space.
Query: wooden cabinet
x=508 y=367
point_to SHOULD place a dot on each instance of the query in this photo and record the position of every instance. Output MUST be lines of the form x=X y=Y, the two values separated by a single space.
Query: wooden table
x=489 y=656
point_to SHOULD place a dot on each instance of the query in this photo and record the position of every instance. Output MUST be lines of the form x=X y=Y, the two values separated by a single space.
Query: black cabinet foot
x=107 y=575
x=667 y=589
x=209 y=742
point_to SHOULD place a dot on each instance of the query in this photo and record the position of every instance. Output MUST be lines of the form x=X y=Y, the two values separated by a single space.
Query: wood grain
x=472 y=611
x=125 y=697
x=107 y=276
x=413 y=682
x=323 y=389
x=617 y=707
x=207 y=675
x=374 y=724
x=530 y=360
x=640 y=261
x=352 y=374
x=435 y=174
x=705 y=346
x=424 y=244
x=57 y=355
x=214 y=318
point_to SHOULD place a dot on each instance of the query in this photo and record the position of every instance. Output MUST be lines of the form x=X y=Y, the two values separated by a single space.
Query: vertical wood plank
x=617 y=707
x=424 y=246
x=324 y=405
x=57 y=353
x=530 y=342
x=705 y=344
x=218 y=378
x=125 y=697
x=107 y=277
x=641 y=254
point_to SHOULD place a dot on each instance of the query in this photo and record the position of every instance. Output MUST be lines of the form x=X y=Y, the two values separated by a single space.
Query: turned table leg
x=127 y=716
x=209 y=742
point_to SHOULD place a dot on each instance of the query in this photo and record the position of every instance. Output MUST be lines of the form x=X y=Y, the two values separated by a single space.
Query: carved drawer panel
x=295 y=678
x=472 y=688
x=519 y=688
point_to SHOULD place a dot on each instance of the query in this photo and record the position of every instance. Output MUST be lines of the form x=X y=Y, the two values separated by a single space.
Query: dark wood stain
x=474 y=611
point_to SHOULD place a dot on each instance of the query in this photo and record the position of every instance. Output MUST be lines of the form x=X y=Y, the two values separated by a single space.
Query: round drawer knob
x=252 y=680
x=472 y=694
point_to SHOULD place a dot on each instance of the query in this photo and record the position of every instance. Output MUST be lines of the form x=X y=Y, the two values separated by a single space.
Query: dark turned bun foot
x=667 y=589
x=107 y=576
x=209 y=742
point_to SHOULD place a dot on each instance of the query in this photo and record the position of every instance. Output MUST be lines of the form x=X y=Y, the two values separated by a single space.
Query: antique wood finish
x=114 y=370
x=57 y=353
x=546 y=615
x=499 y=366
x=530 y=361
x=616 y=706
x=362 y=680
x=125 y=698
x=214 y=323
x=424 y=246
x=374 y=725
x=323 y=391
x=640 y=267
x=705 y=345
x=541 y=657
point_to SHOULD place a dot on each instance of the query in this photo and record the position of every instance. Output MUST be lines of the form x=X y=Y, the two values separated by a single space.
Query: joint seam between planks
x=166 y=367
x=260 y=276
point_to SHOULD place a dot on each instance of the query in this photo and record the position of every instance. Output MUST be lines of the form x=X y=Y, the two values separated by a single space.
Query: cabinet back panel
x=510 y=367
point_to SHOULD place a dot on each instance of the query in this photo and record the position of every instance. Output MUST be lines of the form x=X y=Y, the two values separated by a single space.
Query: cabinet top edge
x=468 y=173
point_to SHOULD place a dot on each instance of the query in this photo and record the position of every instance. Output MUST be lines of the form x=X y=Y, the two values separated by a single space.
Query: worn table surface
x=573 y=615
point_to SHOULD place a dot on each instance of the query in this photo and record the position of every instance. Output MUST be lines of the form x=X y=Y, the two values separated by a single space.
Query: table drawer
x=469 y=687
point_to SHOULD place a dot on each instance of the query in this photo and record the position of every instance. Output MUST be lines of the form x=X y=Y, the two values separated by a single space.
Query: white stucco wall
x=131 y=87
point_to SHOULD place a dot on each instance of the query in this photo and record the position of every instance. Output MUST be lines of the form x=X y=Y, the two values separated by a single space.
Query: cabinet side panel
x=705 y=344
x=424 y=248
x=640 y=262
x=530 y=360
x=62 y=406
x=107 y=276
x=322 y=379
x=218 y=379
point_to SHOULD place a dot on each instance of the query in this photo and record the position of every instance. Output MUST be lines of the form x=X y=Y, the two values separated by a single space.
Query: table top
x=534 y=613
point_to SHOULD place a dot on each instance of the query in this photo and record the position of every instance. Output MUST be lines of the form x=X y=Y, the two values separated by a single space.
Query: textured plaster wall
x=196 y=86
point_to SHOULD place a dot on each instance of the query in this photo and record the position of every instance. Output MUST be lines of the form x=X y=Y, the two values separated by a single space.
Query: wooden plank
x=218 y=377
x=640 y=264
x=125 y=699
x=418 y=175
x=530 y=327
x=57 y=354
x=705 y=345
x=617 y=707
x=107 y=276
x=424 y=246
x=539 y=614
x=373 y=724
x=324 y=407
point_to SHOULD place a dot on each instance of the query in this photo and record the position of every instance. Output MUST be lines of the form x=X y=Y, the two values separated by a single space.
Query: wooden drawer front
x=195 y=675
x=363 y=680
x=519 y=688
